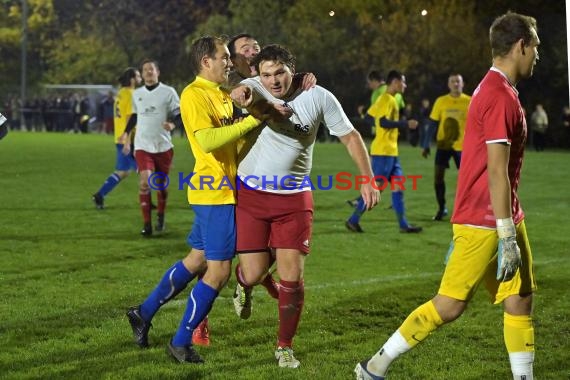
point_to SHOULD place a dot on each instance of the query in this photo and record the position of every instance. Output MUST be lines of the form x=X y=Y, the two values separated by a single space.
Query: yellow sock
x=420 y=323
x=518 y=333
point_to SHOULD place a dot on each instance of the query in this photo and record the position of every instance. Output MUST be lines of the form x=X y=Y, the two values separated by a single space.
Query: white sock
x=394 y=347
x=521 y=365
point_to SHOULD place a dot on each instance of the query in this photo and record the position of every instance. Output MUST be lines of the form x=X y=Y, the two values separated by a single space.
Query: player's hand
x=370 y=195
x=508 y=254
x=168 y=126
x=309 y=81
x=508 y=257
x=412 y=124
x=242 y=96
x=264 y=110
x=425 y=153
x=126 y=149
x=124 y=138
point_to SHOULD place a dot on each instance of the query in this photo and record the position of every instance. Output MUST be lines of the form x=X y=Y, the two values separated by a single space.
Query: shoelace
x=286 y=354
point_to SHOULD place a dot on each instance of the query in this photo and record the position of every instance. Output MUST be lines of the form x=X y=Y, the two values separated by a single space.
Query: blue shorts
x=214 y=231
x=442 y=157
x=386 y=166
x=125 y=163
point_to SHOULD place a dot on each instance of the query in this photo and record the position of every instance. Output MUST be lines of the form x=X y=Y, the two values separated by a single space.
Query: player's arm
x=499 y=185
x=357 y=150
x=212 y=138
x=131 y=124
x=175 y=123
x=392 y=124
x=509 y=259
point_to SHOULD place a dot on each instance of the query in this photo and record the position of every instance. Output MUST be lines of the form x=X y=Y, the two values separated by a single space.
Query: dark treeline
x=90 y=41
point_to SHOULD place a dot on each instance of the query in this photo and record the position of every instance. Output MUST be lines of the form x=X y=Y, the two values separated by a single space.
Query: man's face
x=246 y=48
x=530 y=56
x=455 y=84
x=218 y=67
x=401 y=85
x=137 y=79
x=276 y=77
x=150 y=73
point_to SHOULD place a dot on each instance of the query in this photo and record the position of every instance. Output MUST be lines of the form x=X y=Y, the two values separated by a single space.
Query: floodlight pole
x=23 y=83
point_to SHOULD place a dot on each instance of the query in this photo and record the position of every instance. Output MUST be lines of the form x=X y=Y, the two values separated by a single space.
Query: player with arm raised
x=275 y=203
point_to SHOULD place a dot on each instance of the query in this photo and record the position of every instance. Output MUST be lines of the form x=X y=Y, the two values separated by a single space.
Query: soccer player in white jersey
x=272 y=214
x=154 y=104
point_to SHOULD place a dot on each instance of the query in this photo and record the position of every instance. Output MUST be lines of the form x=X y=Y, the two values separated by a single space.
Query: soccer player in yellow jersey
x=123 y=109
x=207 y=114
x=448 y=117
x=385 y=114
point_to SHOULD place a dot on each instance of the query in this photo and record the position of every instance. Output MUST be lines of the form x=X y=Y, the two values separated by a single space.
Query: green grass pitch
x=69 y=272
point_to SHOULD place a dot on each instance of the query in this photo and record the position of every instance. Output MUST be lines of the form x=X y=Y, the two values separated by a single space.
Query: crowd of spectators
x=61 y=112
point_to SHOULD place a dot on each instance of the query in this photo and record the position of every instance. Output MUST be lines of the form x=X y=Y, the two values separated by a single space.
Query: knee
x=253 y=276
x=217 y=276
x=449 y=309
x=144 y=188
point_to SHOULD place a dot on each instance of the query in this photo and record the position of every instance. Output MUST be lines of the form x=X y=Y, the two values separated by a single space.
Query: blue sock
x=358 y=211
x=398 y=205
x=109 y=184
x=173 y=282
x=200 y=302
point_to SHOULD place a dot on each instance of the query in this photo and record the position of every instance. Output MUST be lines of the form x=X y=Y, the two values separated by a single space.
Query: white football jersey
x=279 y=158
x=154 y=108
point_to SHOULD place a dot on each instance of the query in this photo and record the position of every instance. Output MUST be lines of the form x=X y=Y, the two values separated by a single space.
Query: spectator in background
x=423 y=118
x=15 y=106
x=538 y=126
x=106 y=109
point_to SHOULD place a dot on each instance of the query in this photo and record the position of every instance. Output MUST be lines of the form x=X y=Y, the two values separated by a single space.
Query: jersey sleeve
x=499 y=119
x=436 y=110
x=334 y=117
x=173 y=103
x=133 y=102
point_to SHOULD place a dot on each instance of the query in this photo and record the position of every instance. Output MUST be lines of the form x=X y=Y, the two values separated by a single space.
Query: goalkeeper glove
x=509 y=254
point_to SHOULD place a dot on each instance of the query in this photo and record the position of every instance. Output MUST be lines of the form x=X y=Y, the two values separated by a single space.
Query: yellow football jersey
x=204 y=104
x=122 y=111
x=451 y=113
x=386 y=141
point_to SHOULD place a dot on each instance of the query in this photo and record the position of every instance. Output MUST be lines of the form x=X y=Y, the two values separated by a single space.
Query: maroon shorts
x=268 y=220
x=155 y=162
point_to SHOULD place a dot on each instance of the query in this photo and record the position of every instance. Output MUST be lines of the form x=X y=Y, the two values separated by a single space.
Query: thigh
x=252 y=229
x=144 y=160
x=524 y=281
x=290 y=264
x=382 y=169
x=124 y=163
x=292 y=221
x=469 y=262
x=442 y=157
x=214 y=231
x=457 y=158
x=163 y=161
